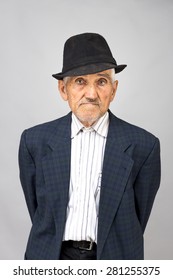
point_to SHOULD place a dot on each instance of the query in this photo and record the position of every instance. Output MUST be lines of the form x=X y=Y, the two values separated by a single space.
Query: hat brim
x=89 y=69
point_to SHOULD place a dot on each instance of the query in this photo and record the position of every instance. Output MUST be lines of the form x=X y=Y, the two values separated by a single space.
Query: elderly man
x=89 y=178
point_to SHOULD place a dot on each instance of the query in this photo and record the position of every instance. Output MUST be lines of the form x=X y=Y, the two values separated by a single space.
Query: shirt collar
x=101 y=126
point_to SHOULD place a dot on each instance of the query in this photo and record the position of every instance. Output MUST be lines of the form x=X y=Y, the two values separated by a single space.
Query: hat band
x=89 y=69
x=89 y=60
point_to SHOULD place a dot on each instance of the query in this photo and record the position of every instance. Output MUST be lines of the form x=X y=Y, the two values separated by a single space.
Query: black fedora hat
x=87 y=53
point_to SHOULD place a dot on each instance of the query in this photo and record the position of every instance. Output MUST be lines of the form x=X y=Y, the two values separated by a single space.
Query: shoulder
x=41 y=133
x=131 y=133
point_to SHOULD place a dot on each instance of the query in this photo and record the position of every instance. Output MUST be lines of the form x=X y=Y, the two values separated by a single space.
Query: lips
x=89 y=103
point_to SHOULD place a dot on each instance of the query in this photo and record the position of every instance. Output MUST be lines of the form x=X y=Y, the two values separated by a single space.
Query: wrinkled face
x=89 y=96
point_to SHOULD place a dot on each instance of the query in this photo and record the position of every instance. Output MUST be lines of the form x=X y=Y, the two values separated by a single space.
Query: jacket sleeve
x=147 y=184
x=27 y=175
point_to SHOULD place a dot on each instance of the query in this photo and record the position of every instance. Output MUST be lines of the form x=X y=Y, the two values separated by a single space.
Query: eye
x=80 y=81
x=102 y=82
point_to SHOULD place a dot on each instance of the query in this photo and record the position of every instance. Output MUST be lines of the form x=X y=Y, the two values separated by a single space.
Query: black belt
x=83 y=245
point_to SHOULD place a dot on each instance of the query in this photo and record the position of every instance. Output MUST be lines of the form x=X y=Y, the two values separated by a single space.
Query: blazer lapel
x=56 y=168
x=116 y=170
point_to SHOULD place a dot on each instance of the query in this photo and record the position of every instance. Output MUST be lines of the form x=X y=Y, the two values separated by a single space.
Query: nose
x=91 y=92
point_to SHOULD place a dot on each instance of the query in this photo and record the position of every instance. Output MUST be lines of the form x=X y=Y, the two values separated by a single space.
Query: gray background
x=32 y=36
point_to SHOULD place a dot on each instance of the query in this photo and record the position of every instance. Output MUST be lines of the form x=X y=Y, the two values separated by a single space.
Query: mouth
x=90 y=103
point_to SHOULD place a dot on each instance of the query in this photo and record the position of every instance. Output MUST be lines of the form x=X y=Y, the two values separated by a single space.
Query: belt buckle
x=89 y=248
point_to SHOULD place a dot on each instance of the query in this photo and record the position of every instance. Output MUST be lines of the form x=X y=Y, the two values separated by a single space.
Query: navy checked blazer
x=130 y=180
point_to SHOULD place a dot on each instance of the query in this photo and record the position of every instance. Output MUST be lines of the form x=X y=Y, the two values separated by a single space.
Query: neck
x=89 y=122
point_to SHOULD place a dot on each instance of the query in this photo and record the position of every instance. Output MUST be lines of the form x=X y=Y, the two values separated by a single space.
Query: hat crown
x=86 y=48
x=87 y=53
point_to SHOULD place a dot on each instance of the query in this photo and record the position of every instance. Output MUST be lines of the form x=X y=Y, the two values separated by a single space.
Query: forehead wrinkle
x=106 y=75
x=100 y=74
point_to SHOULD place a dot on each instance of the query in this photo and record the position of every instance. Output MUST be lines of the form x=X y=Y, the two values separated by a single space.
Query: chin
x=88 y=120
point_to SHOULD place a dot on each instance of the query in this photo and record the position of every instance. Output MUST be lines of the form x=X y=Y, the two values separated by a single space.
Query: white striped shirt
x=87 y=152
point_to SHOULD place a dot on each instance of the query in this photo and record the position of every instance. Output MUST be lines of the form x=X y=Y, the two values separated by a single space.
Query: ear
x=62 y=90
x=115 y=86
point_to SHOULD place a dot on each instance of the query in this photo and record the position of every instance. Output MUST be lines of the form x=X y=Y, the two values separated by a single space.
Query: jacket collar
x=117 y=167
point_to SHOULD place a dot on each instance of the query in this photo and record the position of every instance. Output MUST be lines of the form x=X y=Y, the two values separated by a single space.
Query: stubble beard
x=88 y=118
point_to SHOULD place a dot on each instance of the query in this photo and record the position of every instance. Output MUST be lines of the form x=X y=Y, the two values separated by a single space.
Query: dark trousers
x=71 y=253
